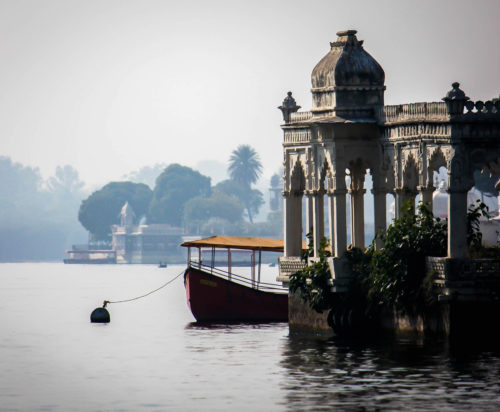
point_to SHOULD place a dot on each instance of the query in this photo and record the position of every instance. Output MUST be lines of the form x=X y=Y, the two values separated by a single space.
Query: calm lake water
x=152 y=356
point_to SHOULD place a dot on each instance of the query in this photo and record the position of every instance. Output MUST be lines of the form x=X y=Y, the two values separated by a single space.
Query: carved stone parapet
x=289 y=265
x=294 y=136
x=413 y=112
x=466 y=280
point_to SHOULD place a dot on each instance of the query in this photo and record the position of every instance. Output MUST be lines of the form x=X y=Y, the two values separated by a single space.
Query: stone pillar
x=403 y=195
x=357 y=218
x=457 y=224
x=293 y=224
x=426 y=195
x=398 y=202
x=309 y=213
x=318 y=219
x=340 y=240
x=331 y=219
x=379 y=205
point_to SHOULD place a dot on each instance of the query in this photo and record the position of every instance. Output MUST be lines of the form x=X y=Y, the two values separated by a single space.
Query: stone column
x=426 y=195
x=293 y=224
x=358 y=218
x=340 y=240
x=331 y=219
x=403 y=195
x=398 y=202
x=357 y=206
x=379 y=205
x=309 y=213
x=318 y=219
x=457 y=224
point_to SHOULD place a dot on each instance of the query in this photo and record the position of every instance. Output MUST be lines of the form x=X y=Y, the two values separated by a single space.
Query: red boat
x=217 y=295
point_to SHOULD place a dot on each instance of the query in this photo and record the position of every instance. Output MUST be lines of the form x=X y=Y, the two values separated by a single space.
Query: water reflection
x=227 y=326
x=388 y=374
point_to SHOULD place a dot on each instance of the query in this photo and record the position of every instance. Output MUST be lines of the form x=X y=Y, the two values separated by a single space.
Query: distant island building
x=153 y=243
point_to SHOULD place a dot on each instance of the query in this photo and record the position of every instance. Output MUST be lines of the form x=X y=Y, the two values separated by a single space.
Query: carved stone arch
x=326 y=174
x=437 y=159
x=357 y=170
x=410 y=176
x=298 y=178
x=383 y=176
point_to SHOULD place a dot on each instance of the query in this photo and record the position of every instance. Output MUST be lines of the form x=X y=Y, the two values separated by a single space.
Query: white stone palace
x=349 y=132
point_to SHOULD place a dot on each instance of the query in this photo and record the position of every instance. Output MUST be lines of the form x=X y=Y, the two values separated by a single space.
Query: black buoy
x=100 y=315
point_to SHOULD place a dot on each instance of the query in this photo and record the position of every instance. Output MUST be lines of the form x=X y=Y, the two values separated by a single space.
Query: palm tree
x=245 y=168
x=244 y=165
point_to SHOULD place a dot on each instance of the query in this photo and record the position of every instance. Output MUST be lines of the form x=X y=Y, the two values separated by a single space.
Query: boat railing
x=242 y=280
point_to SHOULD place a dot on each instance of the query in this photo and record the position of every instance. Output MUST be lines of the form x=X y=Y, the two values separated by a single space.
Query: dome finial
x=455 y=99
x=288 y=107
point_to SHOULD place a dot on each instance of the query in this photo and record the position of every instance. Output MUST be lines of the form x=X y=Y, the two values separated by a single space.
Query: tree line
x=183 y=197
x=38 y=218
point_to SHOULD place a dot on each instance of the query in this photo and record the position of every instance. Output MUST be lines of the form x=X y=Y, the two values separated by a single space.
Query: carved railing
x=300 y=117
x=433 y=111
x=466 y=279
x=289 y=265
x=481 y=108
x=297 y=136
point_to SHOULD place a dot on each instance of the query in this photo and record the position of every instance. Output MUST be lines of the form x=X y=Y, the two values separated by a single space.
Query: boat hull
x=213 y=299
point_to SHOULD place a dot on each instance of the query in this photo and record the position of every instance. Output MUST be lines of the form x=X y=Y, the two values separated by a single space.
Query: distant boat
x=216 y=295
x=162 y=265
x=90 y=256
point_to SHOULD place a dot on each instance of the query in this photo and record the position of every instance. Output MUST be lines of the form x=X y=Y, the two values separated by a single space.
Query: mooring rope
x=142 y=296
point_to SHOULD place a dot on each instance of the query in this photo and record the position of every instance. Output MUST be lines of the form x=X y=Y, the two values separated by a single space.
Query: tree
x=174 y=187
x=252 y=199
x=102 y=208
x=244 y=165
x=20 y=194
x=219 y=206
x=146 y=174
x=245 y=169
x=37 y=221
x=65 y=181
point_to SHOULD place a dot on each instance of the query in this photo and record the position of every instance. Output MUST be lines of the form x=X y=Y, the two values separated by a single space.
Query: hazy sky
x=111 y=86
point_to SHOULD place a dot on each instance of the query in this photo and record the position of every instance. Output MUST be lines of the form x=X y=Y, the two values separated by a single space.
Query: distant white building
x=490 y=228
x=144 y=243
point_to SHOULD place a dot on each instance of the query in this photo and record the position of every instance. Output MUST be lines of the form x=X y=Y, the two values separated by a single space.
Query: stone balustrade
x=288 y=265
x=476 y=280
x=435 y=112
x=414 y=112
x=300 y=117
x=482 y=108
x=297 y=136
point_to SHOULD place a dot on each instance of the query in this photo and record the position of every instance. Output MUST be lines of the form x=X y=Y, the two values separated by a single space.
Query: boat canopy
x=238 y=242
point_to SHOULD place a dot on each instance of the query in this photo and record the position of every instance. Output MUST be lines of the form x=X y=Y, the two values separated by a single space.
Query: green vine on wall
x=394 y=277
x=314 y=280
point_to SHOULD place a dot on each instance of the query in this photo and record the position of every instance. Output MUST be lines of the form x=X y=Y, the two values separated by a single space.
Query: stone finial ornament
x=455 y=99
x=347 y=82
x=288 y=107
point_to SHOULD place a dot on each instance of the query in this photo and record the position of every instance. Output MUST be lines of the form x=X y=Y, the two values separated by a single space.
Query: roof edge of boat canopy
x=238 y=242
